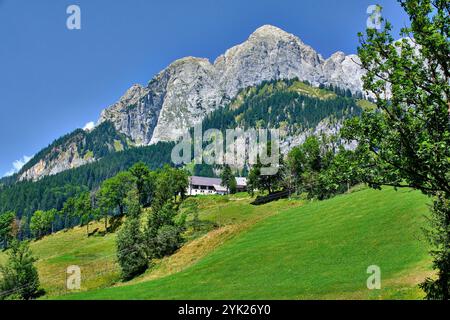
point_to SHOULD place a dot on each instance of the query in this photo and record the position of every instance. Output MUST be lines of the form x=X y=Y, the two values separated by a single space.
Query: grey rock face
x=269 y=53
x=184 y=93
x=344 y=71
x=60 y=159
x=191 y=92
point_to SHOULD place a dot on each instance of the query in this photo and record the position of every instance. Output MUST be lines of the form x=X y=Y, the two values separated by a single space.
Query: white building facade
x=208 y=186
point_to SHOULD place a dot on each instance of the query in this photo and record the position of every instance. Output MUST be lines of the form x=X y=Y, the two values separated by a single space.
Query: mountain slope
x=73 y=150
x=96 y=254
x=190 y=88
x=320 y=251
x=25 y=197
x=294 y=107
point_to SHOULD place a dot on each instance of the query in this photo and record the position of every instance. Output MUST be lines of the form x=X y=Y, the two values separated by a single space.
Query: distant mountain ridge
x=73 y=150
x=183 y=93
x=188 y=90
x=297 y=109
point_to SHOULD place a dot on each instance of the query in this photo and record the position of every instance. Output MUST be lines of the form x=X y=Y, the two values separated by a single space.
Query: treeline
x=99 y=142
x=274 y=104
x=277 y=104
x=120 y=197
x=343 y=92
x=320 y=168
x=109 y=201
x=51 y=192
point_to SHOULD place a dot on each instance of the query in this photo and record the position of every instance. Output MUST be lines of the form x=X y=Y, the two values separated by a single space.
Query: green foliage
x=439 y=240
x=307 y=162
x=19 y=277
x=274 y=103
x=405 y=142
x=169 y=183
x=6 y=227
x=144 y=182
x=228 y=179
x=113 y=192
x=41 y=222
x=26 y=197
x=164 y=216
x=84 y=209
x=131 y=251
x=265 y=182
x=163 y=233
x=253 y=178
x=321 y=168
x=69 y=212
x=203 y=170
x=341 y=174
x=167 y=240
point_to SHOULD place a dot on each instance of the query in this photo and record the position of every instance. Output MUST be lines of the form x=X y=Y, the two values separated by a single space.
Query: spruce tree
x=228 y=179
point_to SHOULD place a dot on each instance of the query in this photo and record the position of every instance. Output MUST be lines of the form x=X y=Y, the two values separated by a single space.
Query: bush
x=167 y=240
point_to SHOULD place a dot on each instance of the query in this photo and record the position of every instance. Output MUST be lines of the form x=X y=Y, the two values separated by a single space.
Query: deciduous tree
x=406 y=141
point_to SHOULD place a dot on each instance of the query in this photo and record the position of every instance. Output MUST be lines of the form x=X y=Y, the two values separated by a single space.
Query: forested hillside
x=73 y=150
x=289 y=104
x=24 y=198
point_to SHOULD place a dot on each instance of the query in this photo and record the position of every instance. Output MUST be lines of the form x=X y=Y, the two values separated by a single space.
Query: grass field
x=96 y=255
x=317 y=251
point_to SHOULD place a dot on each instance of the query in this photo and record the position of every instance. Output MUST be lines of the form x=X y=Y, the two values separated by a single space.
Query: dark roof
x=203 y=181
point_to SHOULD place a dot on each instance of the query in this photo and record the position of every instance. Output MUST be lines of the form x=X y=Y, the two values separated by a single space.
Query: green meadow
x=295 y=250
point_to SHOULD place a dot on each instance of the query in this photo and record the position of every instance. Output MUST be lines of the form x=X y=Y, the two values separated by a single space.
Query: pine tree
x=228 y=179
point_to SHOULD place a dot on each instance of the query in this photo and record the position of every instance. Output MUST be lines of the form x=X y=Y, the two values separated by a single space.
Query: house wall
x=196 y=190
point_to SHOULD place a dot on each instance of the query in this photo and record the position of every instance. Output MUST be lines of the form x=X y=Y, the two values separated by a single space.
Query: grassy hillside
x=96 y=254
x=319 y=251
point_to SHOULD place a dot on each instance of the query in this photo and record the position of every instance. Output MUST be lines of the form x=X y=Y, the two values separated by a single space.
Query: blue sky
x=54 y=80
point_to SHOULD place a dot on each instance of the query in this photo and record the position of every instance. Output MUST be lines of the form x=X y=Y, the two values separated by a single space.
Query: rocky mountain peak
x=188 y=89
x=337 y=57
x=269 y=31
x=133 y=94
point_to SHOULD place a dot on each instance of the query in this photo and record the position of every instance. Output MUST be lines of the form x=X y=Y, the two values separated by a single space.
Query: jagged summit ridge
x=189 y=88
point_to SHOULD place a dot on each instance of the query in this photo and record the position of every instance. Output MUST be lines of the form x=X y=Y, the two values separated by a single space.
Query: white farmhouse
x=203 y=185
